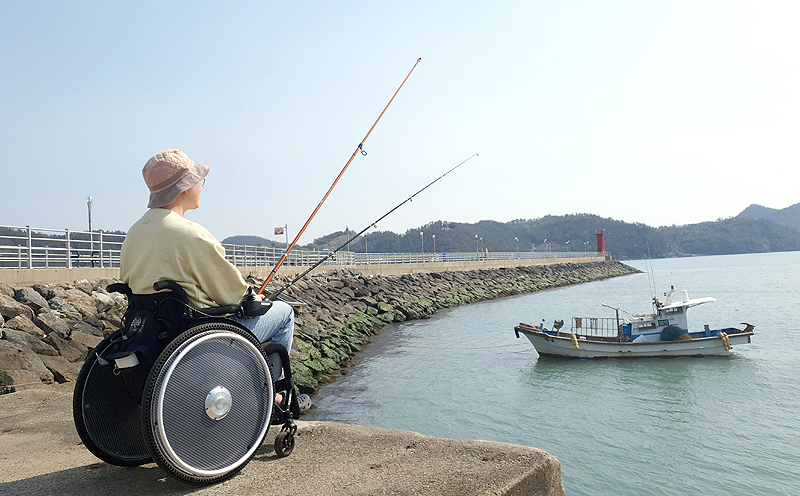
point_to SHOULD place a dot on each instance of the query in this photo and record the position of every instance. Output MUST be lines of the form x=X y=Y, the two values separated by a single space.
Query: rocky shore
x=46 y=331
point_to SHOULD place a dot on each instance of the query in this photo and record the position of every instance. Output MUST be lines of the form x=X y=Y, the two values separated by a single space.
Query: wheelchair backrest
x=169 y=309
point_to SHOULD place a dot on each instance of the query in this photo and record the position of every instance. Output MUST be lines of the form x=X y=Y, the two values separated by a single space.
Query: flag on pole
x=278 y=230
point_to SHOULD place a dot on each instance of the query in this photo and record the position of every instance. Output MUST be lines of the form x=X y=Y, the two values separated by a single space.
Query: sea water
x=680 y=426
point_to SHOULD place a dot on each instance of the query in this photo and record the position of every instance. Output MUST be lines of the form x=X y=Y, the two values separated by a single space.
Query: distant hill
x=789 y=216
x=756 y=230
x=250 y=240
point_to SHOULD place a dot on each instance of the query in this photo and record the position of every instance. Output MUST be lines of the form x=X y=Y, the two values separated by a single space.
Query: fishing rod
x=274 y=295
x=359 y=148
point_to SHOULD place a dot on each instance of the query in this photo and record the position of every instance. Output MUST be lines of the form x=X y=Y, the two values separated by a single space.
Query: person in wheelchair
x=163 y=245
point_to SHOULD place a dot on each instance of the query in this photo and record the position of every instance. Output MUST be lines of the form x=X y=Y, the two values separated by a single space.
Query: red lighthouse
x=601 y=241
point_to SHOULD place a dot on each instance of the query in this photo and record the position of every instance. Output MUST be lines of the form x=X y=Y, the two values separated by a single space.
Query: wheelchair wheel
x=207 y=403
x=284 y=444
x=106 y=417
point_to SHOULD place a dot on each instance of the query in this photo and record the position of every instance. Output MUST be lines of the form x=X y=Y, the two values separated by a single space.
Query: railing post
x=30 y=244
x=101 y=250
x=69 y=254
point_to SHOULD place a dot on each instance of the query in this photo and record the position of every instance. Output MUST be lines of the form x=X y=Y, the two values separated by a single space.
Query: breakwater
x=48 y=329
x=345 y=308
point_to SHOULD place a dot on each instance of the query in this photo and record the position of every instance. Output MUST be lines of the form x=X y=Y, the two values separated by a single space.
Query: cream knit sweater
x=162 y=245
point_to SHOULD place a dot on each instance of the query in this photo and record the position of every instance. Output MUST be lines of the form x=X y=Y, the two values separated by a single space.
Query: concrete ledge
x=42 y=454
x=419 y=268
x=27 y=277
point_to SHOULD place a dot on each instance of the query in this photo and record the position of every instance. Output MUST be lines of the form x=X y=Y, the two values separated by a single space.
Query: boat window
x=671 y=311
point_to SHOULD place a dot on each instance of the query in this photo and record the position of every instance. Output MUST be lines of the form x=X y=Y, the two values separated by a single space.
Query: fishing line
x=374 y=224
x=359 y=148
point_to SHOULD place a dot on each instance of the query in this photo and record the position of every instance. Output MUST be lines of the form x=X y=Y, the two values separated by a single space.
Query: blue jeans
x=276 y=325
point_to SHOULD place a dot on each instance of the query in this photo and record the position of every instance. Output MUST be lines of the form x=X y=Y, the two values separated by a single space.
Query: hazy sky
x=654 y=112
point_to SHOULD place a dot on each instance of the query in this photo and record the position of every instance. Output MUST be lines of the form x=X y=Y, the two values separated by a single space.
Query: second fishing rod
x=274 y=295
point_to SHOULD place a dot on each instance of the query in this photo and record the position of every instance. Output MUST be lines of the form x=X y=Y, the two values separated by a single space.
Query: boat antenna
x=359 y=148
x=651 y=276
x=374 y=224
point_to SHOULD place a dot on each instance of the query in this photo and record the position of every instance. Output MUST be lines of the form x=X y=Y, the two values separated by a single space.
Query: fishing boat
x=663 y=333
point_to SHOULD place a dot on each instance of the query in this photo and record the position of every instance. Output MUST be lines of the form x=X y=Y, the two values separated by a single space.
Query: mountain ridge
x=756 y=229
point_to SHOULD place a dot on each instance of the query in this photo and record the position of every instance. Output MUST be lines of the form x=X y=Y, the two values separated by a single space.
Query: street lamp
x=434 y=244
x=567 y=244
x=91 y=236
x=476 y=245
x=422 y=237
x=517 y=241
x=89 y=204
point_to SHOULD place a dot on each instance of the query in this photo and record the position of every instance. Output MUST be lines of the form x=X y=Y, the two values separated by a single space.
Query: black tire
x=284 y=444
x=106 y=418
x=194 y=434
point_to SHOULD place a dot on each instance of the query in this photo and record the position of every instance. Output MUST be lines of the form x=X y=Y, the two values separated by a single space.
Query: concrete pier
x=41 y=454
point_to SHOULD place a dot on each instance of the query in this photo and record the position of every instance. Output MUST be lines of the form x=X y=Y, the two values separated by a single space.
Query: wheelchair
x=187 y=388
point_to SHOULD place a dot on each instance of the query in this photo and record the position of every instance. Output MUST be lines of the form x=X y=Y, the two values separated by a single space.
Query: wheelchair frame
x=186 y=388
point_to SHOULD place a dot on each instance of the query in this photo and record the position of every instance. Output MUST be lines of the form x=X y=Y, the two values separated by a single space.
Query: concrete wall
x=27 y=277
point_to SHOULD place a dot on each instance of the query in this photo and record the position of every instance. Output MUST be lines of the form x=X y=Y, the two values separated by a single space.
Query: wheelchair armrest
x=223 y=310
x=119 y=287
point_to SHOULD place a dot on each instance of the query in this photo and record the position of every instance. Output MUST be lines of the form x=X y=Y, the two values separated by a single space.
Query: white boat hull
x=563 y=346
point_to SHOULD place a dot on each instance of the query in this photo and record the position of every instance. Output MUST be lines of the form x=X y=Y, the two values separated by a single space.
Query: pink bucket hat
x=170 y=173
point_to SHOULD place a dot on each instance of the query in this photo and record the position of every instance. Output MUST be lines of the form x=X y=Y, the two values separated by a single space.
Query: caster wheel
x=284 y=444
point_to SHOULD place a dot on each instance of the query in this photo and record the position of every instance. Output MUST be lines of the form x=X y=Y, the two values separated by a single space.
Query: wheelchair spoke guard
x=106 y=417
x=207 y=403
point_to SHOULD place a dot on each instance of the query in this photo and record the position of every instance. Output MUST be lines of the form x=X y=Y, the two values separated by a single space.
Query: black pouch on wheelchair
x=150 y=323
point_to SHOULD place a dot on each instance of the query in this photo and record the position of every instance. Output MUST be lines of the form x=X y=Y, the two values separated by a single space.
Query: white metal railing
x=27 y=247
x=595 y=326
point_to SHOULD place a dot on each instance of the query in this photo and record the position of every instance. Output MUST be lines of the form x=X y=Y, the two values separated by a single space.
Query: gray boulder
x=103 y=301
x=52 y=323
x=35 y=344
x=27 y=296
x=85 y=286
x=60 y=305
x=23 y=323
x=45 y=290
x=89 y=340
x=15 y=358
x=10 y=308
x=62 y=369
x=82 y=302
x=71 y=350
x=85 y=327
x=6 y=289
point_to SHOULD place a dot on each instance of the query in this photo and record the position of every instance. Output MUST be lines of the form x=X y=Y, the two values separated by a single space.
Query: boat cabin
x=648 y=328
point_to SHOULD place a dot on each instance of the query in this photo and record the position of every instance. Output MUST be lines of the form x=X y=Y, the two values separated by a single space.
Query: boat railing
x=594 y=326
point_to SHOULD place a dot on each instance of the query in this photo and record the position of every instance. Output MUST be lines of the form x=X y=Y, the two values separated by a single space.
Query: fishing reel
x=252 y=306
